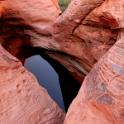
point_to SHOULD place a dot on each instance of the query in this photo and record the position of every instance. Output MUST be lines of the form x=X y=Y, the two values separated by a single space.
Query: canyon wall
x=72 y=38
x=22 y=99
x=88 y=33
x=101 y=97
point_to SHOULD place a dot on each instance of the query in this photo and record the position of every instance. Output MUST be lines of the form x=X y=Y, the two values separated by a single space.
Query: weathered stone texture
x=22 y=99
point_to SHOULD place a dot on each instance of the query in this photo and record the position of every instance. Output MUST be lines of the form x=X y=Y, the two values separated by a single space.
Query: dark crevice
x=69 y=85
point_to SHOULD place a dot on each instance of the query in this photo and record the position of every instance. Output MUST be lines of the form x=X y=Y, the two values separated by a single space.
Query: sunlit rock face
x=101 y=97
x=27 y=23
x=69 y=37
x=22 y=99
x=77 y=38
x=30 y=23
x=82 y=39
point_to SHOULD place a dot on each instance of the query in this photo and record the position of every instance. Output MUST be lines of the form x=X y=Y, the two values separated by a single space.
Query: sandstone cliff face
x=101 y=97
x=22 y=99
x=28 y=21
x=71 y=38
x=78 y=38
x=85 y=41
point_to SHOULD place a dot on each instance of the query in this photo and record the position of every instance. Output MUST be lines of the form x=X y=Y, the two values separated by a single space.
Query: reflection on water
x=46 y=76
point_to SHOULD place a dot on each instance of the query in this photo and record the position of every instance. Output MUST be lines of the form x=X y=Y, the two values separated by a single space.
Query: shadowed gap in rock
x=69 y=86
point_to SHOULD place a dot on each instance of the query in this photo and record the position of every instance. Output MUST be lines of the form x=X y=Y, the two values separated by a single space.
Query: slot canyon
x=61 y=62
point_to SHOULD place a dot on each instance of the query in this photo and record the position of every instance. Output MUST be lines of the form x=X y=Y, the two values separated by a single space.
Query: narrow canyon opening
x=53 y=76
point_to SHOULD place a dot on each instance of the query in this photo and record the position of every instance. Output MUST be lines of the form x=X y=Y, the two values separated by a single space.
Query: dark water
x=61 y=86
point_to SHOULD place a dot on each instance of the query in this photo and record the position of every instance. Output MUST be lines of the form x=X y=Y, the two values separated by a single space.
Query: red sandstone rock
x=109 y=14
x=82 y=40
x=78 y=39
x=101 y=97
x=77 y=32
x=22 y=99
x=82 y=44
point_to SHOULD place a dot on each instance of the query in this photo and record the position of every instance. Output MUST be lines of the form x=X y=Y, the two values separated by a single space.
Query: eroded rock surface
x=101 y=98
x=82 y=39
x=78 y=38
x=22 y=99
x=73 y=36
